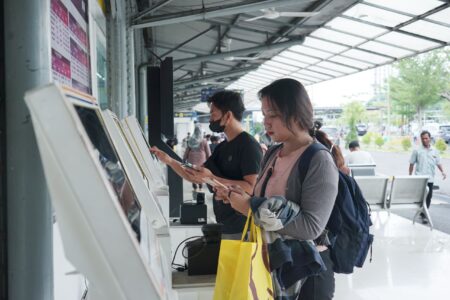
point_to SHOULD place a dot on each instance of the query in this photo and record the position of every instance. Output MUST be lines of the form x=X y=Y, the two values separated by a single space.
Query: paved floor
x=409 y=262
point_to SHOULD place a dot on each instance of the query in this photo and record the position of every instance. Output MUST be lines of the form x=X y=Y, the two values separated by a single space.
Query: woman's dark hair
x=228 y=101
x=292 y=100
x=322 y=137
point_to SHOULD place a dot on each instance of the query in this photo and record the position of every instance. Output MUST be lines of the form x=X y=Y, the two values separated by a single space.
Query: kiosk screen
x=111 y=164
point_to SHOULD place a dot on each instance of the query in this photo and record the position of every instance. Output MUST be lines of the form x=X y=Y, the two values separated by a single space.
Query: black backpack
x=349 y=222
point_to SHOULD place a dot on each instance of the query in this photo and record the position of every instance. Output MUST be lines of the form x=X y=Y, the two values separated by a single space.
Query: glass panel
x=326 y=71
x=368 y=57
x=361 y=29
x=351 y=62
x=316 y=43
x=261 y=75
x=415 y=7
x=309 y=51
x=337 y=67
x=299 y=57
x=289 y=61
x=428 y=29
x=280 y=65
x=274 y=69
x=268 y=72
x=101 y=75
x=407 y=41
x=338 y=37
x=251 y=81
x=112 y=166
x=313 y=74
x=385 y=49
x=262 y=80
x=442 y=16
x=303 y=79
x=376 y=15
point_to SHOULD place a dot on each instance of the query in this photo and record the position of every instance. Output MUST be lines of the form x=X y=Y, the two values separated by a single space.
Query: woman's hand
x=239 y=199
x=161 y=155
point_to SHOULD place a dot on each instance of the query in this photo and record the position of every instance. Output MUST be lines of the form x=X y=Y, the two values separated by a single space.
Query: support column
x=29 y=217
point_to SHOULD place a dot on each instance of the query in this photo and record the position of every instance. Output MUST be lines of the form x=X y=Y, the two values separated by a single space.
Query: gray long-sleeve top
x=316 y=197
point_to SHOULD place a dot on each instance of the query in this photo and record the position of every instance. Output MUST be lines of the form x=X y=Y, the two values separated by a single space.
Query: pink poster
x=70 y=44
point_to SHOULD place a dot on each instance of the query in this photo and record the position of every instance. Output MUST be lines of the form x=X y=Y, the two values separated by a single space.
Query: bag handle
x=249 y=216
x=255 y=231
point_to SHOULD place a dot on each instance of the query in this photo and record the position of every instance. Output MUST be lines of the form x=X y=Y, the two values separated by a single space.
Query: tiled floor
x=409 y=262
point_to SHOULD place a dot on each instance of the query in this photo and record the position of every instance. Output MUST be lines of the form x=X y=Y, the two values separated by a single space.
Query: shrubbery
x=406 y=143
x=441 y=145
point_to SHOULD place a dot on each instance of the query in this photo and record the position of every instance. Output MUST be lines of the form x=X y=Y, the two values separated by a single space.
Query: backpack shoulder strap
x=269 y=154
x=306 y=157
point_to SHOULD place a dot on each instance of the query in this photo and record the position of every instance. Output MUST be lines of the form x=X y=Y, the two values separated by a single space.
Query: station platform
x=409 y=262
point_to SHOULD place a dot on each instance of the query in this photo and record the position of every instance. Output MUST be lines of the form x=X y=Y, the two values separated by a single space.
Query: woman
x=290 y=211
x=197 y=151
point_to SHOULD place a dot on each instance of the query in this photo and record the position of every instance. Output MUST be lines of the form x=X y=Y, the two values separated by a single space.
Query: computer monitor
x=98 y=212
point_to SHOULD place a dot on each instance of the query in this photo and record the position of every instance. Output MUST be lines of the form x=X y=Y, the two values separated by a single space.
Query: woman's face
x=274 y=122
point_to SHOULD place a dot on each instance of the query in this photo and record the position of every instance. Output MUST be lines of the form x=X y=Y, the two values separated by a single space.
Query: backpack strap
x=306 y=157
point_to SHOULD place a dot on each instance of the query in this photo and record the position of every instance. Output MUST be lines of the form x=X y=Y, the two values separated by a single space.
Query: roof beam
x=214 y=76
x=212 y=12
x=187 y=41
x=151 y=9
x=240 y=52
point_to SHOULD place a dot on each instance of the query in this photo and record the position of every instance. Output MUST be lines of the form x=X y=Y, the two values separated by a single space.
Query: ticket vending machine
x=147 y=161
x=108 y=233
x=144 y=185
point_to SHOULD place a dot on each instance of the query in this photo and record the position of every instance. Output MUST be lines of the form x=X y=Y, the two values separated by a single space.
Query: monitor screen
x=112 y=166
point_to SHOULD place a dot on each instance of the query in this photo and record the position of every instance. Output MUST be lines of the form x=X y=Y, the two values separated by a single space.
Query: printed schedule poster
x=70 y=44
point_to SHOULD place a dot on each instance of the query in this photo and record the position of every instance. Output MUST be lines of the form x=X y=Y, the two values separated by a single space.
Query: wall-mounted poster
x=70 y=44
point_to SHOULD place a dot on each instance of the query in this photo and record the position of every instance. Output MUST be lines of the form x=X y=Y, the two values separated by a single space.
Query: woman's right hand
x=161 y=155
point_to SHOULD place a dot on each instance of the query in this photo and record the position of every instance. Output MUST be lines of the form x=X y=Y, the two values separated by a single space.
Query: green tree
x=419 y=82
x=353 y=112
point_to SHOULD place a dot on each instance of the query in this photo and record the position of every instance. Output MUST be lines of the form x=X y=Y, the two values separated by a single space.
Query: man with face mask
x=235 y=161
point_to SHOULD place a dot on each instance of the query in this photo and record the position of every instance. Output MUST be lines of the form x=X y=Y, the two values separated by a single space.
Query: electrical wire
x=176 y=266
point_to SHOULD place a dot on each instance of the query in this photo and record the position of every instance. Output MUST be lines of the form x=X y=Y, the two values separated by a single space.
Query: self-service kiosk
x=147 y=161
x=108 y=222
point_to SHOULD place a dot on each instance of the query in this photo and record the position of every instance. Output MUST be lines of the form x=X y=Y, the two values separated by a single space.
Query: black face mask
x=216 y=127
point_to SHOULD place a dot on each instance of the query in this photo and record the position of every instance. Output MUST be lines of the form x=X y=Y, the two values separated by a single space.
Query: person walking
x=197 y=152
x=425 y=159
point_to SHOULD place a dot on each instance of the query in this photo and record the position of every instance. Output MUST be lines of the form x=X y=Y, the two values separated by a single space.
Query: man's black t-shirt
x=234 y=160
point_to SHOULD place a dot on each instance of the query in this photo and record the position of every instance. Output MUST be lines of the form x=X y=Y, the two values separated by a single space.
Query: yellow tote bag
x=243 y=270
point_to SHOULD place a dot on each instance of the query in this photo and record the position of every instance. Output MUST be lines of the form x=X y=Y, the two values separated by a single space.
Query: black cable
x=181 y=267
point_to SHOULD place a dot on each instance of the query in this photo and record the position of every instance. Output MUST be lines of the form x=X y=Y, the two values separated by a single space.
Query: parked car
x=444 y=133
x=361 y=129
x=333 y=134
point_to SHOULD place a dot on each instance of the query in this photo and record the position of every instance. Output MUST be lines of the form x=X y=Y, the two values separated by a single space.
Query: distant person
x=214 y=142
x=184 y=141
x=197 y=152
x=358 y=156
x=426 y=158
